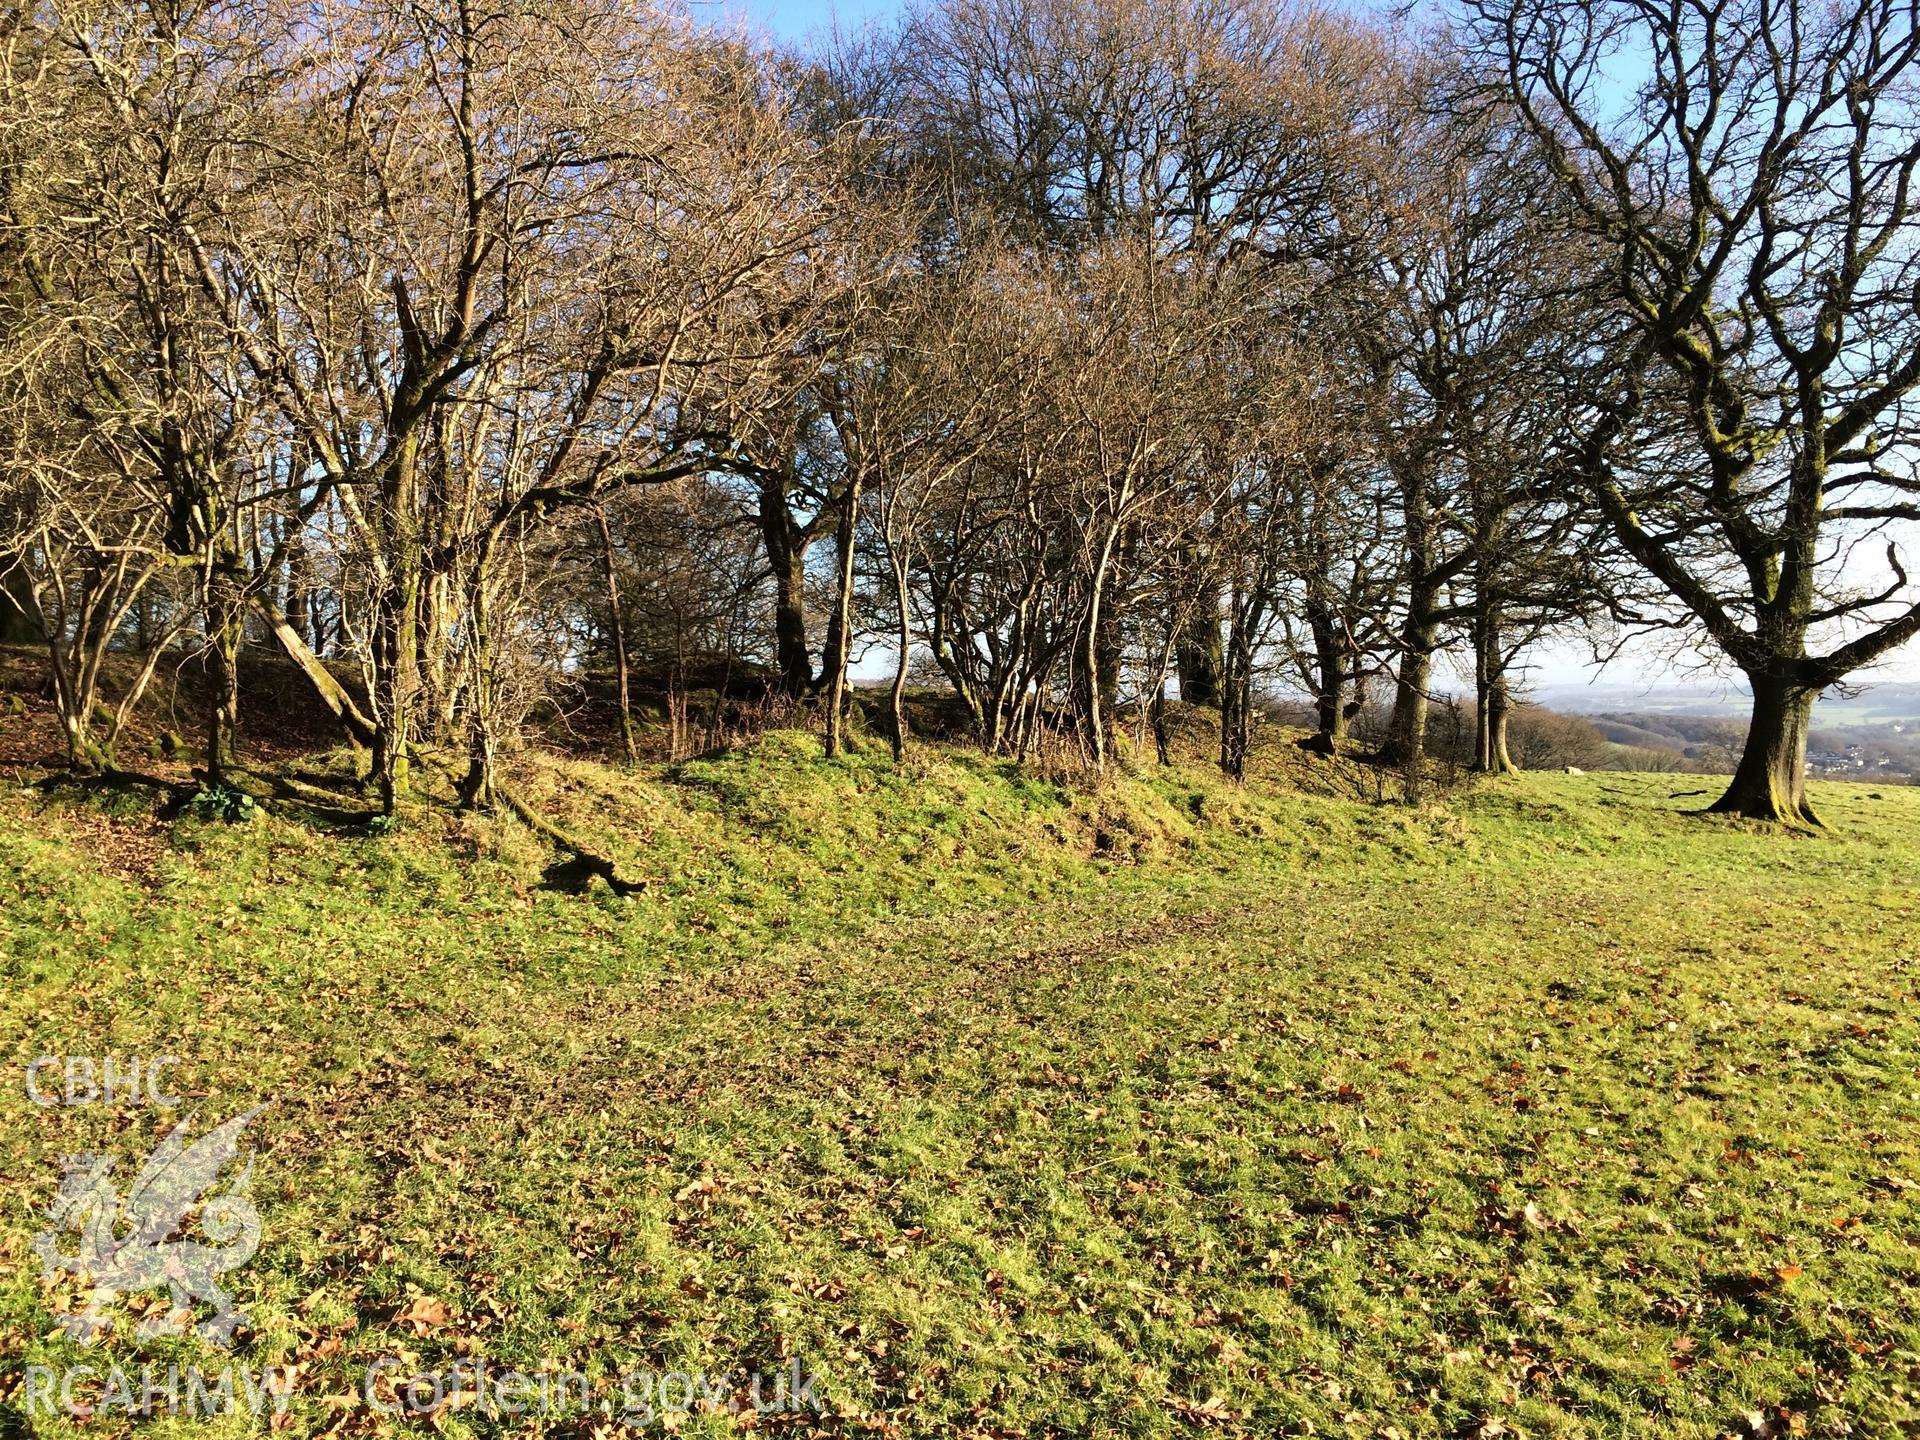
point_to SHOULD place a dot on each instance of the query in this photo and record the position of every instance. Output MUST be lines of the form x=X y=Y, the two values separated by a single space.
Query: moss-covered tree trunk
x=1771 y=781
x=396 y=625
x=226 y=612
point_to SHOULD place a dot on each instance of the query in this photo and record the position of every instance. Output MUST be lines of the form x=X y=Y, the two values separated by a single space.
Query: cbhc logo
x=112 y=1080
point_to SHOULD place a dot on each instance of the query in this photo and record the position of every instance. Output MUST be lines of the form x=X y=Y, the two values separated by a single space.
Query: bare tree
x=84 y=550
x=1754 y=198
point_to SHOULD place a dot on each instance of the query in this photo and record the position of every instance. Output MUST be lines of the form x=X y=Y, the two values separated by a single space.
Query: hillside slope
x=1011 y=1111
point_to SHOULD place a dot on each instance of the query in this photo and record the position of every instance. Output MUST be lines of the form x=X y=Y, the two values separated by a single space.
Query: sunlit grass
x=1014 y=1111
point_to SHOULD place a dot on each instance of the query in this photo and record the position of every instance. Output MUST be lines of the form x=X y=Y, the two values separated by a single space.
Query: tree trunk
x=1330 y=665
x=1093 y=684
x=840 y=637
x=903 y=639
x=17 y=623
x=396 y=625
x=74 y=698
x=1771 y=781
x=1499 y=710
x=434 y=663
x=1407 y=731
x=393 y=657
x=790 y=620
x=1406 y=740
x=396 y=616
x=1112 y=653
x=1162 y=741
x=1236 y=713
x=1236 y=687
x=1491 y=701
x=1198 y=656
x=785 y=542
x=477 y=789
x=225 y=603
x=622 y=670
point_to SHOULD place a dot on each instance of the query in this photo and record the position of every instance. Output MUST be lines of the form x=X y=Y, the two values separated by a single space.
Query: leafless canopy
x=1058 y=351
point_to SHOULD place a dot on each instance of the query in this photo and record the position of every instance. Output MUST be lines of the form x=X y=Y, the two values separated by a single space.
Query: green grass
x=1014 y=1112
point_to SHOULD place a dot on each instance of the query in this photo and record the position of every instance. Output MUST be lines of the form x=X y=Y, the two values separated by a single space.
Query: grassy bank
x=1008 y=1111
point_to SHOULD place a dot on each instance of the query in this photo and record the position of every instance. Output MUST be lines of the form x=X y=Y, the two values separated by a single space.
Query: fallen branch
x=332 y=693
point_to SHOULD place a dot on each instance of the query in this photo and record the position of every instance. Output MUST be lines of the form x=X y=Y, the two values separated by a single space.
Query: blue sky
x=794 y=20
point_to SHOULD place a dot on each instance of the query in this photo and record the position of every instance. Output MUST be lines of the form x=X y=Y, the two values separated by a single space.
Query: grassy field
x=1546 y=1110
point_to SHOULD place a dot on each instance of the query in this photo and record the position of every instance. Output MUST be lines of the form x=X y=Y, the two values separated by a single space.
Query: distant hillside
x=1687 y=734
x=1890 y=748
x=1892 y=701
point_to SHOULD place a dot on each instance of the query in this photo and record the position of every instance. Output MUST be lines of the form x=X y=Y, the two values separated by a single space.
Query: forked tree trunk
x=74 y=692
x=1771 y=781
x=1492 y=704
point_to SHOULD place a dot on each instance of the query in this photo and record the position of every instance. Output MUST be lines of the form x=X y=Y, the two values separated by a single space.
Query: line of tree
x=1071 y=350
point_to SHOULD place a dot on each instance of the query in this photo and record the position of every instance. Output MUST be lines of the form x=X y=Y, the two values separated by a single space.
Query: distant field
x=1547 y=1110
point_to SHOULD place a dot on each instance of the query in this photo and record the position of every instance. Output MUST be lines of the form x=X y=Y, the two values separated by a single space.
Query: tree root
x=570 y=875
x=575 y=875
